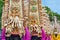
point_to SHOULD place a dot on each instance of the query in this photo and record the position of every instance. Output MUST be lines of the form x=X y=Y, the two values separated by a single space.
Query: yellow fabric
x=52 y=37
x=58 y=37
x=55 y=38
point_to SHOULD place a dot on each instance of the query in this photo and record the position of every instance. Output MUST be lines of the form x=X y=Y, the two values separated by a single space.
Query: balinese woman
x=3 y=33
x=27 y=34
x=58 y=36
x=4 y=23
x=43 y=34
x=39 y=33
x=15 y=34
x=48 y=36
x=34 y=33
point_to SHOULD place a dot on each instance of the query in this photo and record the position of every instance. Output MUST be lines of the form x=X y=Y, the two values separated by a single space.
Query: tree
x=1 y=8
x=52 y=14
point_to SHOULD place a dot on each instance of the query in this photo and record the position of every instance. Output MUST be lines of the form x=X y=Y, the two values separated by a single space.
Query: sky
x=54 y=5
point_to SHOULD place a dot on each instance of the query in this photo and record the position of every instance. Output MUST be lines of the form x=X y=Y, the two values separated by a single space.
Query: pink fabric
x=48 y=38
x=3 y=39
x=43 y=34
x=3 y=33
x=27 y=35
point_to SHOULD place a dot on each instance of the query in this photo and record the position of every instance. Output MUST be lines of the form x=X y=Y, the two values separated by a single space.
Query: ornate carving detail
x=33 y=9
x=15 y=0
x=33 y=2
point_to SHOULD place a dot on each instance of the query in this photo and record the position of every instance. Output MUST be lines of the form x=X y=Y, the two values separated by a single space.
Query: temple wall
x=30 y=12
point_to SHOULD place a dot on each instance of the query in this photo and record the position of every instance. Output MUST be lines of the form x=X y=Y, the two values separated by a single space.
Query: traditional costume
x=43 y=34
x=3 y=33
x=48 y=36
x=15 y=34
x=27 y=35
x=58 y=36
x=54 y=36
x=34 y=35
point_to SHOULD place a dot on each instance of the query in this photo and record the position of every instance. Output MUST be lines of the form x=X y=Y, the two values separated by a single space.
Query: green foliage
x=52 y=14
x=1 y=8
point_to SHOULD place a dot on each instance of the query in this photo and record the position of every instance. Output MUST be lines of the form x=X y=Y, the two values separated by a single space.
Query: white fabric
x=8 y=29
x=16 y=19
x=48 y=32
x=5 y=24
x=55 y=33
x=10 y=18
x=20 y=24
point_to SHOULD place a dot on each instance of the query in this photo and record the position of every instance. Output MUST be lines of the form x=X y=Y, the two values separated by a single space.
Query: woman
x=43 y=34
x=48 y=36
x=34 y=33
x=58 y=36
x=27 y=35
x=3 y=33
x=39 y=33
x=8 y=33
x=15 y=34
x=40 y=36
x=55 y=34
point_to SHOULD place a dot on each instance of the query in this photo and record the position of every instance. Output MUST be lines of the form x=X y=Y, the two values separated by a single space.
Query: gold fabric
x=55 y=38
